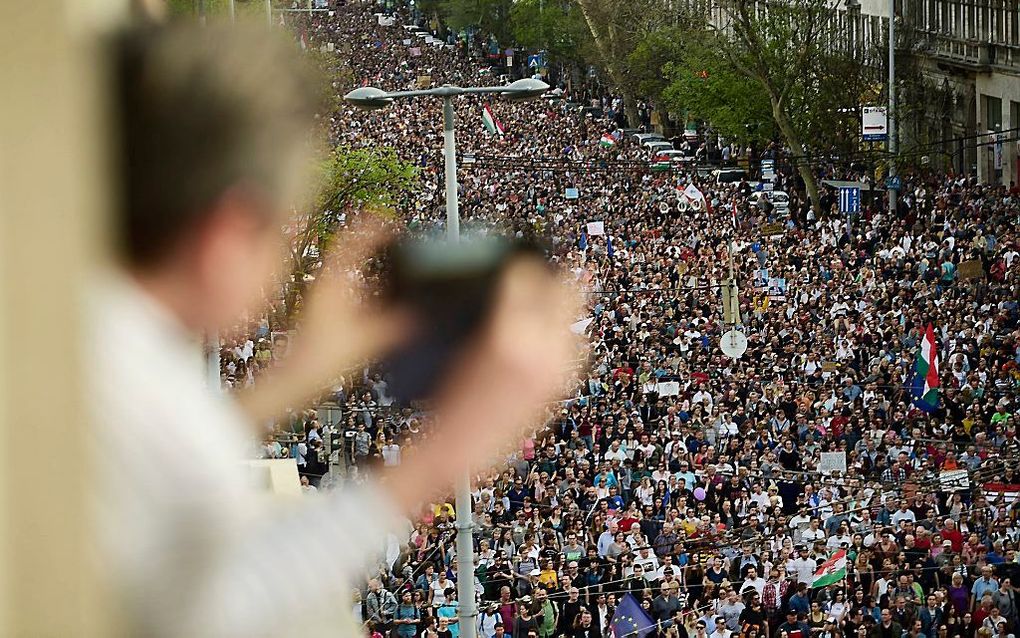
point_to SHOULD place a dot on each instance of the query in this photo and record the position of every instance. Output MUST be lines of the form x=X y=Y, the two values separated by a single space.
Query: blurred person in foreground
x=214 y=127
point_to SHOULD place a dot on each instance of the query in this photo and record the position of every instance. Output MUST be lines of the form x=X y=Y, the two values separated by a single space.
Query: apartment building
x=958 y=79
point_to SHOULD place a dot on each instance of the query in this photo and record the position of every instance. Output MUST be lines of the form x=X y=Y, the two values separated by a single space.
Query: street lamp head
x=369 y=98
x=525 y=89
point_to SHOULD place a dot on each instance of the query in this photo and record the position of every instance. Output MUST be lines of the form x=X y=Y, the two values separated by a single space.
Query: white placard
x=596 y=228
x=832 y=462
x=668 y=389
x=954 y=481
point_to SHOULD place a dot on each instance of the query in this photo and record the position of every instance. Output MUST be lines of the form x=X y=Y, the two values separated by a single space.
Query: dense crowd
x=672 y=473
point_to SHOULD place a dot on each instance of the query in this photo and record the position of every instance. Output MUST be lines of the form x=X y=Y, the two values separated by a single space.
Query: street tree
x=349 y=180
x=701 y=85
x=617 y=29
x=555 y=26
x=780 y=45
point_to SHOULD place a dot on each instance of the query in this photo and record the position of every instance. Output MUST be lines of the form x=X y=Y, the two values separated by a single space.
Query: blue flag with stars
x=630 y=621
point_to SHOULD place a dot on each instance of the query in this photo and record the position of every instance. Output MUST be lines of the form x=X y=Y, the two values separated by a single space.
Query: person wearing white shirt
x=182 y=531
x=812 y=533
x=802 y=567
x=753 y=581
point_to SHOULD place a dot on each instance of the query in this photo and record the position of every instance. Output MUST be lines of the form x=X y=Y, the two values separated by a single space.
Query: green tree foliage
x=617 y=28
x=488 y=16
x=783 y=47
x=704 y=86
x=649 y=61
x=556 y=26
x=349 y=179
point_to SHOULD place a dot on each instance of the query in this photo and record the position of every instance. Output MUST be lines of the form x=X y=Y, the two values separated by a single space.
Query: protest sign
x=830 y=462
x=971 y=269
x=954 y=481
x=668 y=389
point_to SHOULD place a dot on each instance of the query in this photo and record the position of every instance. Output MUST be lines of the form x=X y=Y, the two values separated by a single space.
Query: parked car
x=675 y=156
x=658 y=145
x=780 y=201
x=641 y=138
x=729 y=175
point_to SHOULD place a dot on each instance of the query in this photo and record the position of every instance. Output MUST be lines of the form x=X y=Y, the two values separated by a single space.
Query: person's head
x=213 y=128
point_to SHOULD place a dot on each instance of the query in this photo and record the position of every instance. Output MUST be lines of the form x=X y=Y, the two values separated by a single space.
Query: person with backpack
x=406 y=617
x=380 y=606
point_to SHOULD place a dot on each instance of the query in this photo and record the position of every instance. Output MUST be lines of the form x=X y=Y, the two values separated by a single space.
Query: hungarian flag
x=492 y=125
x=661 y=163
x=925 y=387
x=607 y=141
x=831 y=571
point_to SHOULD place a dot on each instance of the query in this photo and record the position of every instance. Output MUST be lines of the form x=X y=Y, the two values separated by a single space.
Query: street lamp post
x=892 y=118
x=371 y=98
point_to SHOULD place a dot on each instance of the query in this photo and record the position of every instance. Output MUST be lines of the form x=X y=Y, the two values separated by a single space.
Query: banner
x=668 y=389
x=1008 y=492
x=596 y=228
x=971 y=269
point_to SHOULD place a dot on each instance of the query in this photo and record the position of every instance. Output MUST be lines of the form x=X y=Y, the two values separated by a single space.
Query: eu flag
x=630 y=621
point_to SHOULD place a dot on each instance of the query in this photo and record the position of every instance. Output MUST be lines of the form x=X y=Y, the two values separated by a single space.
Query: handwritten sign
x=770 y=230
x=423 y=81
x=596 y=228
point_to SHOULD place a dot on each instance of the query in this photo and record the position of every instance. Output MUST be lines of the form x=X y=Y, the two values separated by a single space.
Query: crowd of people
x=709 y=489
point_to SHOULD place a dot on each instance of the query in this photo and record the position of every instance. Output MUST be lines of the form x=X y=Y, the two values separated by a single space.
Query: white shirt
x=193 y=546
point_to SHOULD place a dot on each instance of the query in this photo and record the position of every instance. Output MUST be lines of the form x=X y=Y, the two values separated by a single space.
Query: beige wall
x=52 y=195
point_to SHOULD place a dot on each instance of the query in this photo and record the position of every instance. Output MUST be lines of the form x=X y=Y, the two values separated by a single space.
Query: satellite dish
x=733 y=344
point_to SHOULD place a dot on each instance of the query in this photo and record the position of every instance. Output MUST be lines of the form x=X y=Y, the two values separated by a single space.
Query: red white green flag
x=607 y=141
x=926 y=373
x=831 y=571
x=492 y=125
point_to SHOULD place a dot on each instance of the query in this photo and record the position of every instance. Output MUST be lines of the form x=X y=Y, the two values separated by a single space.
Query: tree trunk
x=630 y=109
x=799 y=156
x=613 y=70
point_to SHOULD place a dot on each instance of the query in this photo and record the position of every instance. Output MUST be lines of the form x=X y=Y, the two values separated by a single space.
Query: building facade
x=958 y=79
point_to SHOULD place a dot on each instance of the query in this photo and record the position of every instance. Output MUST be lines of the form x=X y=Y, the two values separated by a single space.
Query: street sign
x=768 y=169
x=894 y=183
x=849 y=199
x=535 y=61
x=874 y=124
